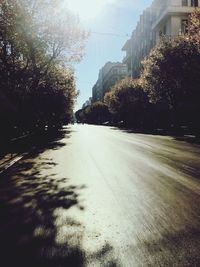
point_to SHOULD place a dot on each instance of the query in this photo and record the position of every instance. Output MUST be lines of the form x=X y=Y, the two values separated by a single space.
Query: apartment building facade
x=97 y=90
x=109 y=74
x=115 y=73
x=87 y=103
x=163 y=17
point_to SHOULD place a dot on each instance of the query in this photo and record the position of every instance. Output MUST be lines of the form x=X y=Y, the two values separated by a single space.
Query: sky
x=110 y=23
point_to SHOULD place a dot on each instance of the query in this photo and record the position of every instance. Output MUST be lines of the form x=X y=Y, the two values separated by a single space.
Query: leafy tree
x=128 y=102
x=38 y=42
x=193 y=30
x=97 y=113
x=41 y=32
x=171 y=74
x=52 y=103
x=78 y=115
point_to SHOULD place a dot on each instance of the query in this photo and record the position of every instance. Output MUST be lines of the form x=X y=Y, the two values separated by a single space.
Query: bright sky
x=88 y=9
x=118 y=17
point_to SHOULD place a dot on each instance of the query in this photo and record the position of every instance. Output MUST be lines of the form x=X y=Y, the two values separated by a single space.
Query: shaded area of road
x=98 y=196
x=32 y=195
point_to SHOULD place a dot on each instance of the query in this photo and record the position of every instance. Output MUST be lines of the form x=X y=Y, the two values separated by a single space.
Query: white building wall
x=176 y=25
x=163 y=17
x=168 y=26
x=179 y=2
x=175 y=2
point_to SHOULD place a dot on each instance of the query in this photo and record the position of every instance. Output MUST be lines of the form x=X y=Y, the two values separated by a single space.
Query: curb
x=11 y=162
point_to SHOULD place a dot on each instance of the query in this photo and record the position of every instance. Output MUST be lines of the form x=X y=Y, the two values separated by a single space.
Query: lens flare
x=87 y=9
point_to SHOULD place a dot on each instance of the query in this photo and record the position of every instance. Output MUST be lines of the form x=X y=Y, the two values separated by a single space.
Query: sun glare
x=87 y=9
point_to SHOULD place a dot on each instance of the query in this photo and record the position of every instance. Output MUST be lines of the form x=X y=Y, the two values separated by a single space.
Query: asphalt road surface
x=103 y=197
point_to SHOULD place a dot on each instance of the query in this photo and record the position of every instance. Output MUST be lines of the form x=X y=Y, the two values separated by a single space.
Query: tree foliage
x=128 y=101
x=38 y=42
x=171 y=73
x=194 y=25
x=96 y=113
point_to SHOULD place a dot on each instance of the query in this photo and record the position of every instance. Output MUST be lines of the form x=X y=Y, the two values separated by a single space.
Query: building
x=163 y=18
x=87 y=103
x=109 y=74
x=97 y=91
x=172 y=17
x=114 y=73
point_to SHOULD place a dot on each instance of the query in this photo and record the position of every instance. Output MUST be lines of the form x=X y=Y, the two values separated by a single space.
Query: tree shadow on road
x=40 y=140
x=35 y=229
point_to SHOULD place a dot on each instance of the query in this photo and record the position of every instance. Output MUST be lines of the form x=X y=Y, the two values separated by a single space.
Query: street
x=100 y=196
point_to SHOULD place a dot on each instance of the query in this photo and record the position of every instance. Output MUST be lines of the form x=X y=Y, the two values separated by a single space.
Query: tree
x=79 y=116
x=96 y=113
x=32 y=38
x=54 y=99
x=193 y=29
x=128 y=102
x=38 y=42
x=171 y=73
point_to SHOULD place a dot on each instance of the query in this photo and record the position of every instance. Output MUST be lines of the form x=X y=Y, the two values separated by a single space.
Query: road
x=100 y=196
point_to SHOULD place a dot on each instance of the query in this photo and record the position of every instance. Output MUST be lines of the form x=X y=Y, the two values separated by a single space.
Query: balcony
x=171 y=10
x=126 y=59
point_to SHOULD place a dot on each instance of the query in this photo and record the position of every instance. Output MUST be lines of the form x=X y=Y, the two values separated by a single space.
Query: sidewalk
x=8 y=160
x=19 y=147
x=11 y=155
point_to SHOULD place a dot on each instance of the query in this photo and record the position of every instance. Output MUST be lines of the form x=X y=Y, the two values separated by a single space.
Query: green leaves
x=171 y=72
x=127 y=101
x=96 y=113
x=38 y=41
x=171 y=68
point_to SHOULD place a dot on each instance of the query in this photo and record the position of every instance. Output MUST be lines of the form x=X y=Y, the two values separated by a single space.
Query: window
x=194 y=3
x=115 y=71
x=184 y=2
x=160 y=33
x=184 y=26
x=165 y=30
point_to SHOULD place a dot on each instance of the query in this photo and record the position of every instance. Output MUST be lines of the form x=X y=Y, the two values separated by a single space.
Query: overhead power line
x=110 y=34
